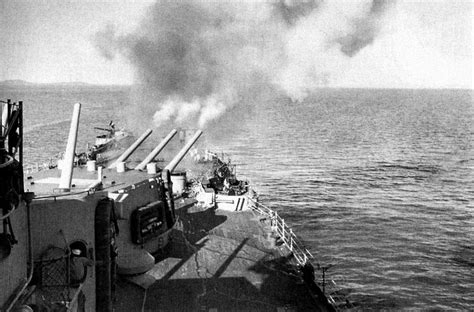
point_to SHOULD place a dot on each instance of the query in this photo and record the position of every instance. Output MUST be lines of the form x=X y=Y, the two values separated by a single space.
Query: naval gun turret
x=146 y=212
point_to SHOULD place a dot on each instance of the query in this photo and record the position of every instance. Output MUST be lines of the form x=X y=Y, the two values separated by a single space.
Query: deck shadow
x=277 y=289
x=196 y=225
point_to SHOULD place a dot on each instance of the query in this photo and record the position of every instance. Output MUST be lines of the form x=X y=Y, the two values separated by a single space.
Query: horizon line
x=21 y=82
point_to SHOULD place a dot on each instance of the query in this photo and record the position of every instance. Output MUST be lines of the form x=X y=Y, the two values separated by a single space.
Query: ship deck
x=46 y=182
x=216 y=261
x=219 y=261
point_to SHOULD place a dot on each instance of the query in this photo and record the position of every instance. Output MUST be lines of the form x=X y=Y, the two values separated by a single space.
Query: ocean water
x=379 y=184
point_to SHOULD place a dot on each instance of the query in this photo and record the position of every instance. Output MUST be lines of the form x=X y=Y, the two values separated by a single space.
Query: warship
x=107 y=145
x=125 y=235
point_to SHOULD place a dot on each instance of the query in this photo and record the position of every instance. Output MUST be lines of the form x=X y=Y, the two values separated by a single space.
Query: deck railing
x=335 y=297
x=285 y=233
x=37 y=167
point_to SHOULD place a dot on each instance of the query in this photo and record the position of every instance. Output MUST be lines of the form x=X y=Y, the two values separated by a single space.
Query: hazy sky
x=421 y=44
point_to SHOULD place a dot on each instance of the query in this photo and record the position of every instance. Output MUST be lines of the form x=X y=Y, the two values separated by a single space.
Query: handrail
x=8 y=214
x=291 y=241
x=300 y=253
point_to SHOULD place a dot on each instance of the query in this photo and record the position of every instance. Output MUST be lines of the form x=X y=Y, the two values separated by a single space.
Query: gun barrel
x=172 y=165
x=156 y=150
x=66 y=174
x=132 y=148
x=103 y=129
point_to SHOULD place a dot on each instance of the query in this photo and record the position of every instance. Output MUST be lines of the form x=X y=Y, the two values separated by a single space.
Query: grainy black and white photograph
x=236 y=155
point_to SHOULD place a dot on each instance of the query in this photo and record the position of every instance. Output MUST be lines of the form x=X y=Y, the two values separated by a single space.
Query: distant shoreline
x=24 y=83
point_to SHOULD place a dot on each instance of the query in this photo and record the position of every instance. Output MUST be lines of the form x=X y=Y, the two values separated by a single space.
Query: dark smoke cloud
x=292 y=11
x=105 y=41
x=173 y=56
x=365 y=28
x=364 y=34
x=194 y=60
x=379 y=6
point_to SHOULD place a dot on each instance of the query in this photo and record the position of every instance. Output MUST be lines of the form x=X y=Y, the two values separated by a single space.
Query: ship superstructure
x=188 y=236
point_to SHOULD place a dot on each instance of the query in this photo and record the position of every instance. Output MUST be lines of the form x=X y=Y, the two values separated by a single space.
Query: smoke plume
x=292 y=11
x=365 y=28
x=195 y=60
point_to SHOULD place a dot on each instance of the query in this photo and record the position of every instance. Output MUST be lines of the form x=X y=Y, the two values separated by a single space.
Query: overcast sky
x=422 y=44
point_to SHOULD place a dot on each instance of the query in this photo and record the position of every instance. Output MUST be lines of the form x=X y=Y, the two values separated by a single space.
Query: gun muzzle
x=176 y=160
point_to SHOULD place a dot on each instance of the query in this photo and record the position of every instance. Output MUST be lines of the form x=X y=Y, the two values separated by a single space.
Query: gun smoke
x=195 y=60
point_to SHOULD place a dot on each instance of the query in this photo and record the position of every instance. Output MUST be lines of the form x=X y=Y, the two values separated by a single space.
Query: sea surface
x=379 y=184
